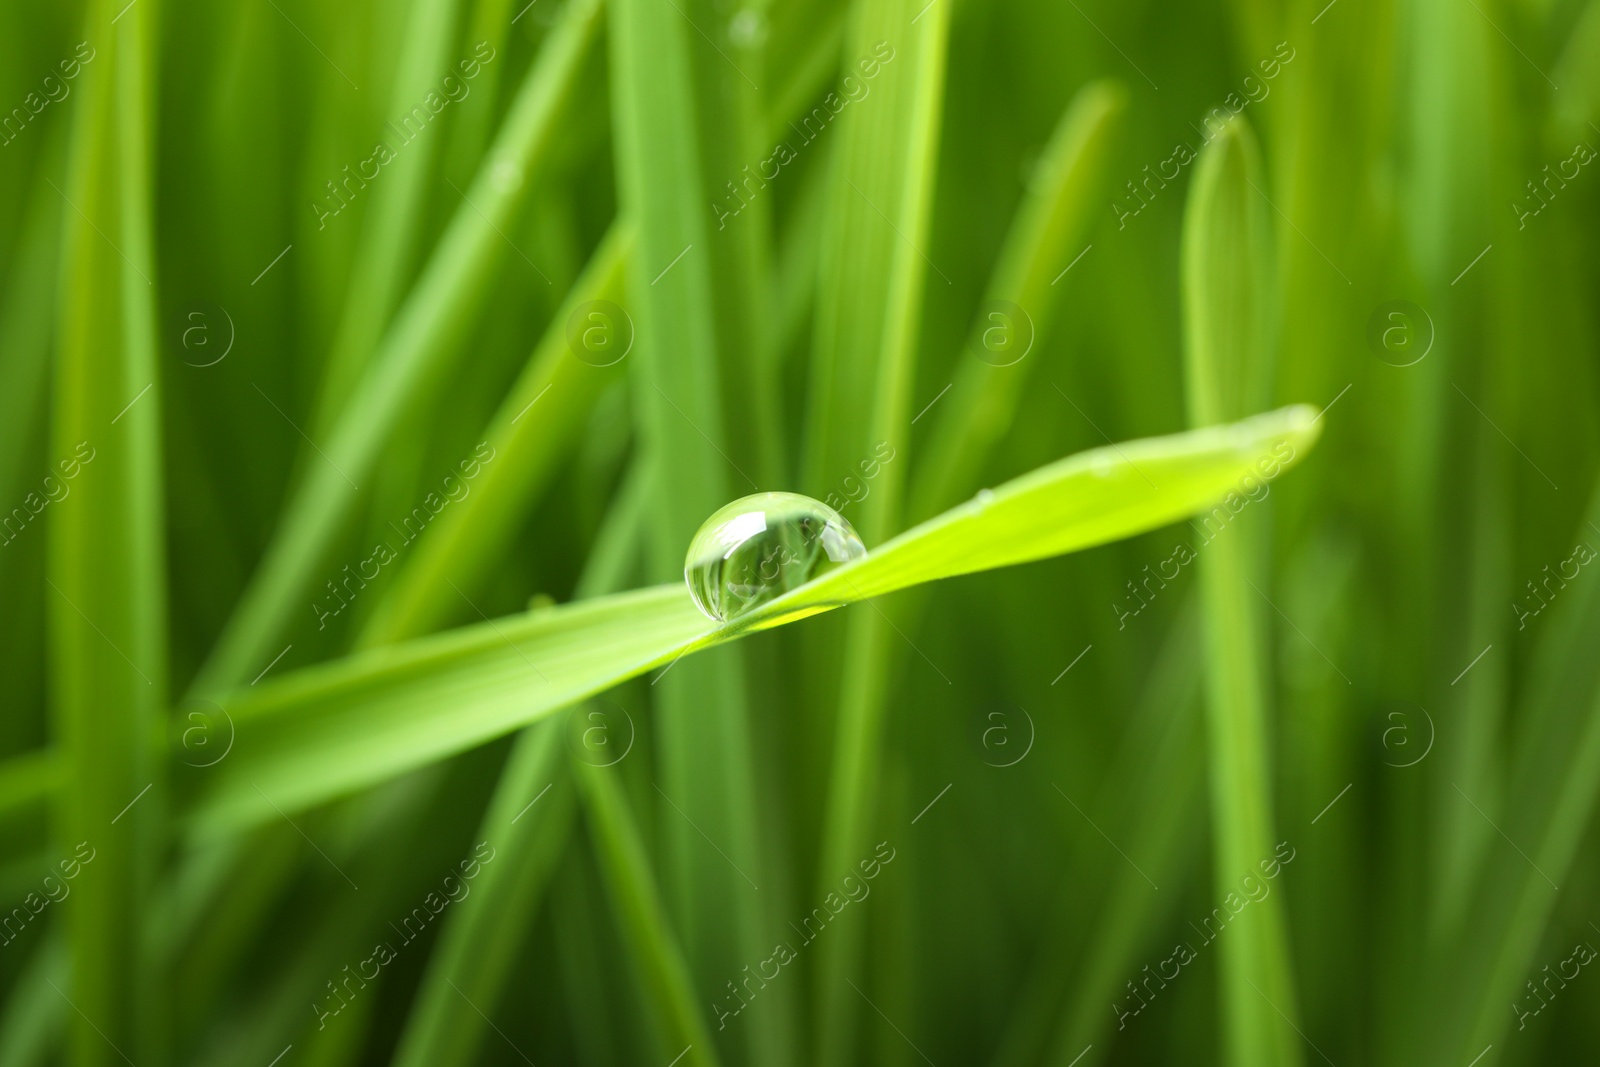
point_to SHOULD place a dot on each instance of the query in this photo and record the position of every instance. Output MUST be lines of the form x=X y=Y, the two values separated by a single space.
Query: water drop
x=984 y=496
x=760 y=547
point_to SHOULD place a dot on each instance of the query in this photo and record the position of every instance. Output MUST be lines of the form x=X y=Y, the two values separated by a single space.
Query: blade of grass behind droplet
x=1550 y=800
x=593 y=977
x=1472 y=759
x=25 y=333
x=730 y=120
x=25 y=329
x=529 y=435
x=1226 y=294
x=473 y=958
x=1579 y=70
x=802 y=54
x=485 y=931
x=873 y=268
x=424 y=335
x=1039 y=249
x=1155 y=779
x=28 y=786
x=669 y=129
x=490 y=22
x=106 y=566
x=392 y=225
x=640 y=913
x=36 y=1014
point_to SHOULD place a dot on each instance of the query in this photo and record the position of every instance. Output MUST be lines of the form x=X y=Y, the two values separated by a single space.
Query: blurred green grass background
x=355 y=358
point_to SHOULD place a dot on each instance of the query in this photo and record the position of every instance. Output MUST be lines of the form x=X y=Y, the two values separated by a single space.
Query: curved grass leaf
x=328 y=730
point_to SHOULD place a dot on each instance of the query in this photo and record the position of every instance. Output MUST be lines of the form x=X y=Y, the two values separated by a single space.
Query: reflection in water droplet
x=760 y=547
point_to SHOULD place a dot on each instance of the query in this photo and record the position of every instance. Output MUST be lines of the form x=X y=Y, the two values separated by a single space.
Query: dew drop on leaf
x=760 y=547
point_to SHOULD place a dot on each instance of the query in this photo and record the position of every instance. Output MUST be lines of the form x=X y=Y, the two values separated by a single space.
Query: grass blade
x=1226 y=294
x=476 y=949
x=706 y=413
x=391 y=228
x=1550 y=800
x=873 y=269
x=106 y=568
x=1156 y=779
x=486 y=931
x=640 y=912
x=324 y=731
x=1044 y=238
x=28 y=785
x=422 y=337
x=456 y=550
x=36 y=1014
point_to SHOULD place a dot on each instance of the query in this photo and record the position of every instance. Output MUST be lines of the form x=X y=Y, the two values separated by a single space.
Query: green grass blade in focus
x=326 y=730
